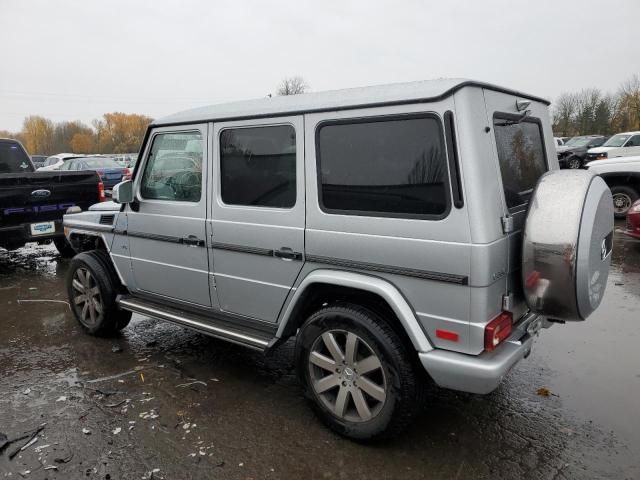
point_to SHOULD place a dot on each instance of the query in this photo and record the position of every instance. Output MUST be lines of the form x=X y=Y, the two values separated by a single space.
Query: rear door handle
x=286 y=253
x=192 y=241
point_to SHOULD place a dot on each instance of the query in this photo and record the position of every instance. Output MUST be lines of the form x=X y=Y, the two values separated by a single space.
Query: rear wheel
x=92 y=286
x=64 y=247
x=623 y=198
x=356 y=372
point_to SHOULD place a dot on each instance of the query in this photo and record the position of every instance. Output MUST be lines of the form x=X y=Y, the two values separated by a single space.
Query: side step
x=215 y=326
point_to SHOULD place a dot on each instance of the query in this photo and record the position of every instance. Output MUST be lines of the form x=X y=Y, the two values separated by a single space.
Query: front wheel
x=574 y=163
x=356 y=372
x=92 y=287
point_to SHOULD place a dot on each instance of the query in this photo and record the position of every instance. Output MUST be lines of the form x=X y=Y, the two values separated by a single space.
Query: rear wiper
x=514 y=121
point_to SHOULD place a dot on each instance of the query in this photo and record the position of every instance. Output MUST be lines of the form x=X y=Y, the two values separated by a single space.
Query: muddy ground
x=160 y=401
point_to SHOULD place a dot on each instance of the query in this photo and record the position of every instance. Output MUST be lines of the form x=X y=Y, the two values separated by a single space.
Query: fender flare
x=368 y=283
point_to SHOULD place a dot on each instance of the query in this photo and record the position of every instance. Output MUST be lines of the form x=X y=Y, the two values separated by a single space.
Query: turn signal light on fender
x=497 y=330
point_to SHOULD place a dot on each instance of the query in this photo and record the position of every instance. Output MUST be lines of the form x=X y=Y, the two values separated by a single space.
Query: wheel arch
x=330 y=285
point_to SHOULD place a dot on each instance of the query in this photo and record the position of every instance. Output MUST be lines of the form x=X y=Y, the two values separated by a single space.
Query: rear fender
x=387 y=291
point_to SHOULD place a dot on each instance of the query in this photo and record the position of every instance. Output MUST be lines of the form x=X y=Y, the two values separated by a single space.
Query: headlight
x=601 y=156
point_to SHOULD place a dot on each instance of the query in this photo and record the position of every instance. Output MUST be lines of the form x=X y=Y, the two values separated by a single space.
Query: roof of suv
x=332 y=100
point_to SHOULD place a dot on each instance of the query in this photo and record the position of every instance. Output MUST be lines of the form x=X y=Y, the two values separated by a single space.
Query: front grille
x=107 y=219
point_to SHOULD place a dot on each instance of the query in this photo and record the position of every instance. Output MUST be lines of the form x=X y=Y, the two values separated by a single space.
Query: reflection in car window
x=174 y=168
x=521 y=157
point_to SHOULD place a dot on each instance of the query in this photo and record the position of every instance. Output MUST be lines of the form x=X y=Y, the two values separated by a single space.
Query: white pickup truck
x=623 y=177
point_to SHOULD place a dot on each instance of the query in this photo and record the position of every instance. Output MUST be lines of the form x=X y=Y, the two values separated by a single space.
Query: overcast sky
x=76 y=59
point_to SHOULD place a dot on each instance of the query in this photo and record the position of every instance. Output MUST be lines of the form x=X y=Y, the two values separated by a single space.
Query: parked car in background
x=621 y=145
x=109 y=171
x=574 y=153
x=32 y=203
x=632 y=228
x=126 y=159
x=54 y=162
x=623 y=177
x=367 y=223
x=38 y=160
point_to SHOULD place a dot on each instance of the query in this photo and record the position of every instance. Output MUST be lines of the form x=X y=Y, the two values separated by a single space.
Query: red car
x=633 y=221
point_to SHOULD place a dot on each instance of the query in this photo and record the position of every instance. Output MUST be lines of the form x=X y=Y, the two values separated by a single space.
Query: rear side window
x=392 y=166
x=258 y=166
x=13 y=159
x=521 y=156
x=174 y=168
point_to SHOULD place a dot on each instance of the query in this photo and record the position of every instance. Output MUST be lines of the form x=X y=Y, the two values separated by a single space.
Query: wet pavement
x=160 y=401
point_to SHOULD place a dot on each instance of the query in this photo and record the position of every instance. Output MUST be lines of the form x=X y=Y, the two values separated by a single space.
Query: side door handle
x=192 y=241
x=285 y=253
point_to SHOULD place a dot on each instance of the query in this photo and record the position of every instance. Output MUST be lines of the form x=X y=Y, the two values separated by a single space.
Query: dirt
x=160 y=401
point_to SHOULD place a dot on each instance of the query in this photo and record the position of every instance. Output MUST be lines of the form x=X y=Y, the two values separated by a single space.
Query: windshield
x=571 y=141
x=13 y=159
x=580 y=142
x=616 y=141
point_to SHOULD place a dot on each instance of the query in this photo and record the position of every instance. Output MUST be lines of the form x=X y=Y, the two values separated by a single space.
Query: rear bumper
x=481 y=373
x=17 y=235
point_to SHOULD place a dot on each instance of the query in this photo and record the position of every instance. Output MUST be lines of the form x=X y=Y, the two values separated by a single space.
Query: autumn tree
x=120 y=132
x=83 y=143
x=37 y=135
x=64 y=133
x=292 y=86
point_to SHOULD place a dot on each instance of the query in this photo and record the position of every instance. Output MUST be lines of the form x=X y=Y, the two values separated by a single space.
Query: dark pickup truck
x=32 y=203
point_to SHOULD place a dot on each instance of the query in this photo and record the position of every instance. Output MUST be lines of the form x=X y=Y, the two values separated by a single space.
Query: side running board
x=209 y=325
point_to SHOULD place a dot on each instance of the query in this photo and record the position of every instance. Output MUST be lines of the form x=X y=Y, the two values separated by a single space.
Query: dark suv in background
x=573 y=153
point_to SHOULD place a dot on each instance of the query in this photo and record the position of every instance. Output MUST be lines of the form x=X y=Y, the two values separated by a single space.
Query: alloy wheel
x=621 y=203
x=347 y=376
x=87 y=299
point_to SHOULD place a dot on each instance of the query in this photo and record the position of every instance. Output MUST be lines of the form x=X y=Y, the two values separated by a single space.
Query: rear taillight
x=497 y=330
x=101 y=195
x=126 y=174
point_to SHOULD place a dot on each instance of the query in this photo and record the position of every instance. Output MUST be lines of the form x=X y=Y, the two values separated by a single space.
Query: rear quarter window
x=521 y=156
x=13 y=158
x=386 y=166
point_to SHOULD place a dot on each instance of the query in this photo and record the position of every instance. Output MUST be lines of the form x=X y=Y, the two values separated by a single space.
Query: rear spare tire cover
x=567 y=244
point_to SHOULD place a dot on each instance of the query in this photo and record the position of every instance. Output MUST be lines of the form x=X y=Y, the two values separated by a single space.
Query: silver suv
x=399 y=232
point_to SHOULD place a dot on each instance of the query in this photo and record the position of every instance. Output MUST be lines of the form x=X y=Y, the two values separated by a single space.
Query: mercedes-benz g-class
x=396 y=231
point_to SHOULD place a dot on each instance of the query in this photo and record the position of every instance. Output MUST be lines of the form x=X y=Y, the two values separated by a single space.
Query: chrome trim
x=217 y=332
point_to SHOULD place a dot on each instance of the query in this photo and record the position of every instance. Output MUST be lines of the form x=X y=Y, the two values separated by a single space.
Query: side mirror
x=123 y=192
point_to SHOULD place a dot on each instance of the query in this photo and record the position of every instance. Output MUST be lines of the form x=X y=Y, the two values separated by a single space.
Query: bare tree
x=292 y=86
x=564 y=114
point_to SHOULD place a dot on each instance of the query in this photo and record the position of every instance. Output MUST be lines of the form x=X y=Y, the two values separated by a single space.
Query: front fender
x=368 y=283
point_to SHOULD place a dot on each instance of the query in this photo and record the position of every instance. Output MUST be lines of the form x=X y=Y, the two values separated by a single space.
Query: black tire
x=64 y=247
x=623 y=198
x=574 y=163
x=108 y=319
x=398 y=373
